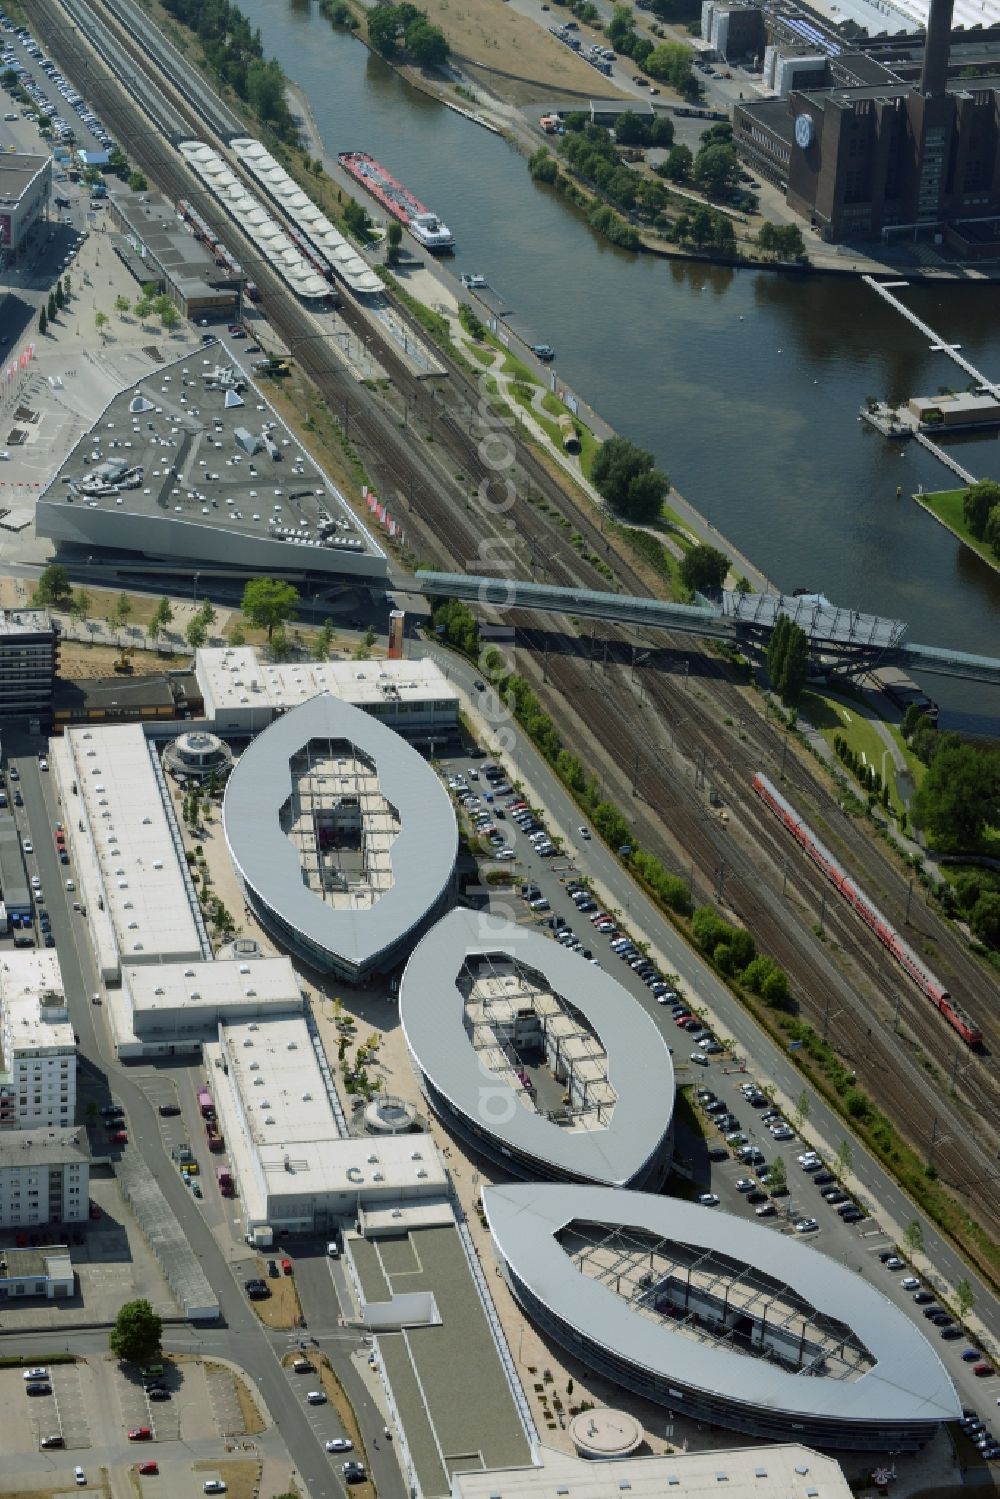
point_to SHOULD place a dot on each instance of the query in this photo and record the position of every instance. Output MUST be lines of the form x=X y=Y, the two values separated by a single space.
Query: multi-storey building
x=44 y=1177
x=28 y=659
x=38 y=1076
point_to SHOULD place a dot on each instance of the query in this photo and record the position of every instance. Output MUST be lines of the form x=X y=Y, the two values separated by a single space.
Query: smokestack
x=934 y=73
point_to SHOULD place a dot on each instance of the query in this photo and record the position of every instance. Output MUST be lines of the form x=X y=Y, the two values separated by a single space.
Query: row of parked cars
x=60 y=126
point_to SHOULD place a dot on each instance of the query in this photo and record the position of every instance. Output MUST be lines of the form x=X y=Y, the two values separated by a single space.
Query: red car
x=147 y=1469
x=95 y=1211
x=118 y=1137
x=140 y=1434
x=983 y=1371
x=286 y=1266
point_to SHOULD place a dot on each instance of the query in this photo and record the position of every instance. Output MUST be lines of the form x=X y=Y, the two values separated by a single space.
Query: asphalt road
x=766 y=1061
x=241 y=1337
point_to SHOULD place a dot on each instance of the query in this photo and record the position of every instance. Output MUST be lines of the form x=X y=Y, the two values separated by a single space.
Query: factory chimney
x=934 y=74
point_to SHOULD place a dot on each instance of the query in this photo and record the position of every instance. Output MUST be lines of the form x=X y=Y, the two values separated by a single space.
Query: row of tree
x=734 y=953
x=788 y=660
x=235 y=54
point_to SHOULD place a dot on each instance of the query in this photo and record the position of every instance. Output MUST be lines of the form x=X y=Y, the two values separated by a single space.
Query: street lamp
x=194 y=594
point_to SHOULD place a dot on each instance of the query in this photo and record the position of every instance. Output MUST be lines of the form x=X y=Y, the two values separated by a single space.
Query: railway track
x=456 y=531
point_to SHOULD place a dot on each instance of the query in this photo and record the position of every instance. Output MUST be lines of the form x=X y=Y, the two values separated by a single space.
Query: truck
x=205 y=1104
x=216 y=1143
x=224 y=1177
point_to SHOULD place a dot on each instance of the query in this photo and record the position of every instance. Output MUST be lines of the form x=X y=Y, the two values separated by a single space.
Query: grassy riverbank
x=946 y=506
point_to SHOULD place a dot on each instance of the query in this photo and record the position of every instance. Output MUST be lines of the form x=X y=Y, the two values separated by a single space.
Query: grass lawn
x=832 y=718
x=946 y=506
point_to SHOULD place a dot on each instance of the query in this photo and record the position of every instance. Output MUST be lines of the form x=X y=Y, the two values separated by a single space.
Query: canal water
x=745 y=384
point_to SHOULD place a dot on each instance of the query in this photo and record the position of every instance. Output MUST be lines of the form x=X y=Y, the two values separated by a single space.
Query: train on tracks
x=925 y=980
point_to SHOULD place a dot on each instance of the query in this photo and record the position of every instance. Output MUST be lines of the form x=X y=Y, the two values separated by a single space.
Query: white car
x=340 y=1444
x=333 y=1249
x=709 y=1200
x=36 y=882
x=80 y=1476
x=700 y=1058
x=316 y=1397
x=584 y=834
x=213 y=1486
x=70 y=885
x=782 y=1132
x=911 y=1283
x=28 y=846
x=806 y=1226
x=38 y=1373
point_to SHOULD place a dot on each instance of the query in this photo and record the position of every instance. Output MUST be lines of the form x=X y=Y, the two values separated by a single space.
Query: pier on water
x=945 y=457
x=884 y=289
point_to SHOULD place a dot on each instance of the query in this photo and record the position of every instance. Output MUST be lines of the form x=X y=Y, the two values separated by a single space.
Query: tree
x=984 y=919
x=43 y=322
x=802 y=1109
x=979 y=500
x=845 y=1157
x=356 y=220
x=53 y=589
x=60 y=295
x=143 y=308
x=959 y=795
x=324 y=641
x=162 y=616
x=991 y=531
x=137 y=1333
x=914 y=1236
x=281 y=646
x=777 y=1179
x=426 y=43
x=625 y=475
x=679 y=164
x=169 y=316
x=716 y=169
x=630 y=130
x=137 y=182
x=196 y=634
x=117 y=158
x=236 y=634
x=671 y=63
x=269 y=602
x=80 y=605
x=9 y=78
x=383 y=29
x=703 y=569
x=122 y=610
x=100 y=322
x=393 y=240
x=51 y=307
x=788 y=660
x=67 y=286
x=122 y=305
x=965 y=1297
x=208 y=614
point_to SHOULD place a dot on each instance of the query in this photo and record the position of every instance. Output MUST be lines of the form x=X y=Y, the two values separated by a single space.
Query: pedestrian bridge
x=845 y=636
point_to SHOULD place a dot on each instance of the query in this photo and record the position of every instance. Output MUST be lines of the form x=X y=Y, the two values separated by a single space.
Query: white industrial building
x=38 y=1077
x=130 y=871
x=243 y=693
x=782 y=1471
x=169 y=1009
x=296 y=1168
x=44 y=1177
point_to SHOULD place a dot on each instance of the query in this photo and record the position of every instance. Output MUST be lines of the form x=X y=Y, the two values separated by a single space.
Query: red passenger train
x=869 y=913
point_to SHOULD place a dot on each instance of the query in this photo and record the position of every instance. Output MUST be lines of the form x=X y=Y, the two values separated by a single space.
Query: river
x=745 y=384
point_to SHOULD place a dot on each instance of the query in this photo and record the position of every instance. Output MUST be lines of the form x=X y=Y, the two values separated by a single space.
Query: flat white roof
x=771 y=1472
x=144 y=887
x=235 y=677
x=34 y=1002
x=212 y=985
x=295 y=1147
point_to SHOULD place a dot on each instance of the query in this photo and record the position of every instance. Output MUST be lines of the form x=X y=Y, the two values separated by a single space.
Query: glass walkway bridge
x=848 y=639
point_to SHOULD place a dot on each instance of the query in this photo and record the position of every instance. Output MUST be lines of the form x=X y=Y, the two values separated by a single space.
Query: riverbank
x=945 y=505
